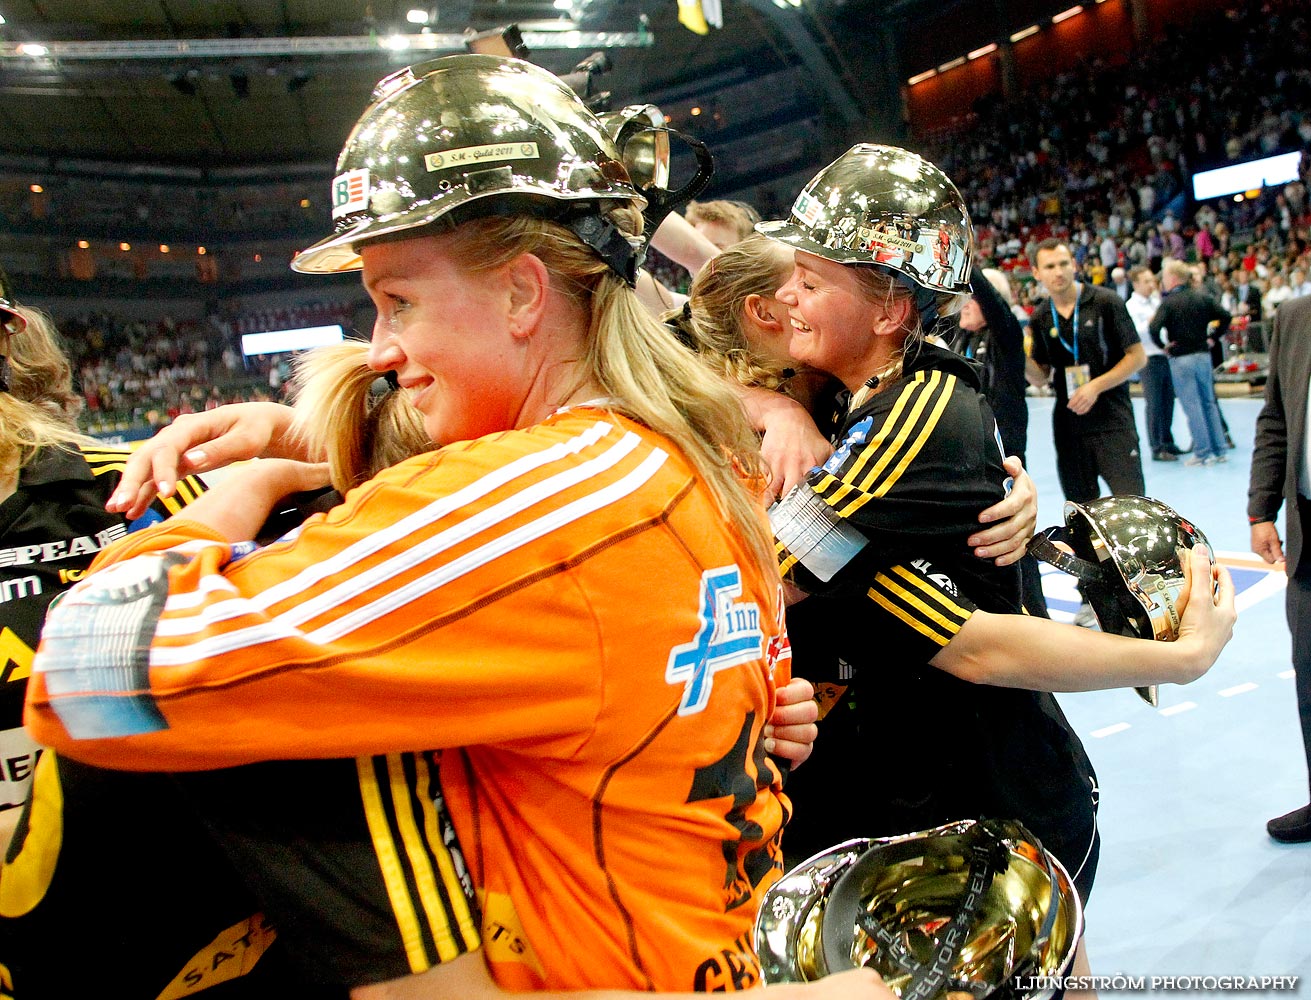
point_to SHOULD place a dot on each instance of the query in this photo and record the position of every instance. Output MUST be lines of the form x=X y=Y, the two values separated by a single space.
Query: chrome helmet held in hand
x=471 y=135
x=888 y=207
x=977 y=907
x=1130 y=555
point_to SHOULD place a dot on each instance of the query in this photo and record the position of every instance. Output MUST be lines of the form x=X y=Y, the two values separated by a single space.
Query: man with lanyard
x=1085 y=336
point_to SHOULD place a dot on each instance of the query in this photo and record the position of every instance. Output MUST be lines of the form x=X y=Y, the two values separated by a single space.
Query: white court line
x=1237 y=689
x=1119 y=727
x=1285 y=675
x=1183 y=706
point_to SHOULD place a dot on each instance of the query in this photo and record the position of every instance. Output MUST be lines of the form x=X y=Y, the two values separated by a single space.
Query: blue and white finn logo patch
x=729 y=635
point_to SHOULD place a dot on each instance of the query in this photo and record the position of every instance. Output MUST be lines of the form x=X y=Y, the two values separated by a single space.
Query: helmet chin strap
x=926 y=301
x=610 y=244
x=1042 y=546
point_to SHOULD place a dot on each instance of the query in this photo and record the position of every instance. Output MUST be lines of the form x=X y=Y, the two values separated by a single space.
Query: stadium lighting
x=921 y=77
x=1024 y=33
x=1066 y=14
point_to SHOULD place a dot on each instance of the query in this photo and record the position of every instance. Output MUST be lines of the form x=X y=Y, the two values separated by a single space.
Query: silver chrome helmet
x=1134 y=567
x=974 y=906
x=885 y=206
x=640 y=135
x=1129 y=554
x=448 y=135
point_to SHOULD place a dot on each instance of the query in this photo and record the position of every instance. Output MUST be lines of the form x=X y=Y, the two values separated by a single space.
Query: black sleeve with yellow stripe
x=916 y=609
x=907 y=613
x=912 y=470
x=107 y=464
x=355 y=861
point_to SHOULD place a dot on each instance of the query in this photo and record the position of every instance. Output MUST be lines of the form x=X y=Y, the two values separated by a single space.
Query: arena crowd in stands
x=136 y=373
x=1099 y=157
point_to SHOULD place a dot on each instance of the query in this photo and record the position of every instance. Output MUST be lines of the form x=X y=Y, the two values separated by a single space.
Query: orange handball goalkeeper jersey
x=564 y=601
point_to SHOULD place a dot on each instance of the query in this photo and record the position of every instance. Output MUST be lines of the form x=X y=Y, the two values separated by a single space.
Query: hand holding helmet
x=1130 y=553
x=1206 y=624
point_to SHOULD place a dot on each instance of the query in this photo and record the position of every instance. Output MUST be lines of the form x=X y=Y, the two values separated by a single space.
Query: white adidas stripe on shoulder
x=407 y=558
x=493 y=550
x=286 y=625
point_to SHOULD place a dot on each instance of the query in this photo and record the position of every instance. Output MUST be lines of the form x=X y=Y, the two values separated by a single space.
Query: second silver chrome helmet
x=885 y=206
x=978 y=907
x=444 y=135
x=1130 y=556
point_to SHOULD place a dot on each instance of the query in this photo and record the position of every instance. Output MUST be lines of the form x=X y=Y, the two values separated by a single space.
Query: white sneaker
x=1217 y=459
x=1085 y=617
x=1195 y=460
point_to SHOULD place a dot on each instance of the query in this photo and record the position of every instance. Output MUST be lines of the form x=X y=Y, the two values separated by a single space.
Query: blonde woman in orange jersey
x=578 y=589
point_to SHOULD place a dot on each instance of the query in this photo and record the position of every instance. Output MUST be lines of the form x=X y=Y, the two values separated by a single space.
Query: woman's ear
x=758 y=311
x=895 y=317
x=529 y=283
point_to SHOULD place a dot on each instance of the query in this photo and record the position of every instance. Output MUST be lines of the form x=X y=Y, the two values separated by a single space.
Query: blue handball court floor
x=1190 y=886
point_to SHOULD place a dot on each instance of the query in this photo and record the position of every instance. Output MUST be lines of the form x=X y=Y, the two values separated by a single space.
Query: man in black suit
x=1246 y=294
x=1280 y=476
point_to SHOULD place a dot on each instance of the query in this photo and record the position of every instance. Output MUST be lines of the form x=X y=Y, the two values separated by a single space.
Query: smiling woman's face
x=445 y=332
x=834 y=324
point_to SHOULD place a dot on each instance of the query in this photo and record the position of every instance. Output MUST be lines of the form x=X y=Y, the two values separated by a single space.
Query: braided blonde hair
x=756 y=266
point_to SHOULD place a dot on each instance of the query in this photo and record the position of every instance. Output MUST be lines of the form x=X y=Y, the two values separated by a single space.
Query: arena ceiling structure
x=244 y=83
x=131 y=129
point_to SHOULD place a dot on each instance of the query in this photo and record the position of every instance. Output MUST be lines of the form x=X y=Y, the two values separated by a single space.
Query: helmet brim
x=338 y=252
x=791 y=234
x=788 y=232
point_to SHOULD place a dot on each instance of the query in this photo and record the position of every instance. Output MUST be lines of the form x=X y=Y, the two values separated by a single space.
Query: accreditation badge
x=1075 y=376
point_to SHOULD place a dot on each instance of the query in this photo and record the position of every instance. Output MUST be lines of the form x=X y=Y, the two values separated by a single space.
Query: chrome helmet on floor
x=977 y=907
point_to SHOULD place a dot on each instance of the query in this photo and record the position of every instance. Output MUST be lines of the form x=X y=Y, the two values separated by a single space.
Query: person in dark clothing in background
x=990 y=335
x=1184 y=318
x=1083 y=335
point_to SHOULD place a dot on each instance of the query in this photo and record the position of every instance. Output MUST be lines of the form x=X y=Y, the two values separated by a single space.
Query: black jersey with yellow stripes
x=913 y=467
x=50 y=529
x=289 y=879
x=905 y=746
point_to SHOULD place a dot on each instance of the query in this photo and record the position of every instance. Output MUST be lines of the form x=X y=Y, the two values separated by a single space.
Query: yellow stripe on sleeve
x=186 y=492
x=389 y=862
x=425 y=879
x=933 y=592
x=940 y=396
x=919 y=626
x=947 y=624
x=892 y=427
